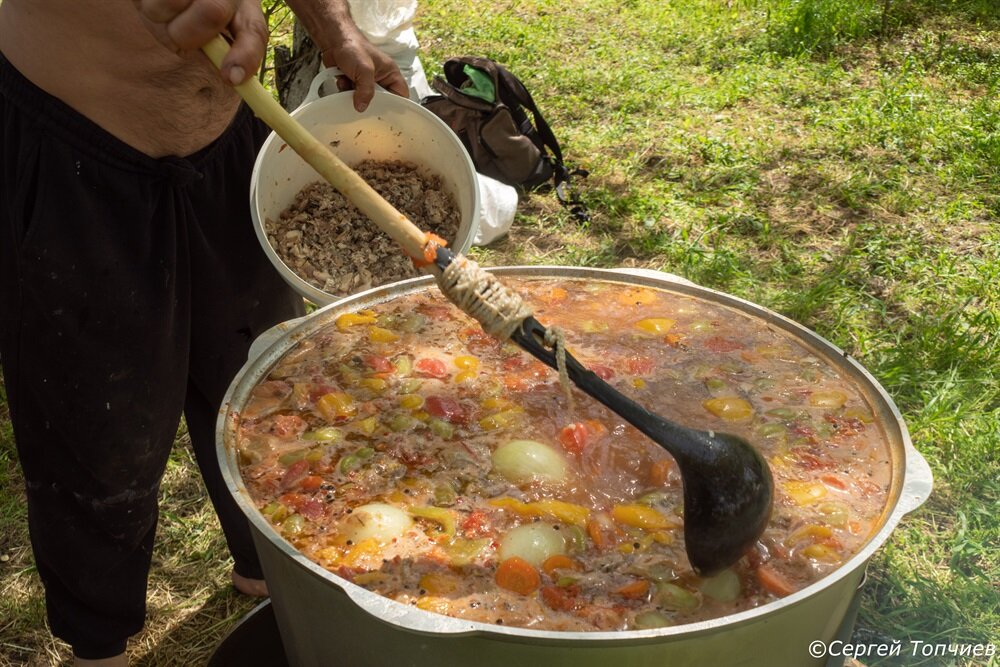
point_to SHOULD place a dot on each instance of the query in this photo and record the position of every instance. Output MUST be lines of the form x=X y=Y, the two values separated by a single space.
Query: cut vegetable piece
x=532 y=542
x=519 y=576
x=527 y=461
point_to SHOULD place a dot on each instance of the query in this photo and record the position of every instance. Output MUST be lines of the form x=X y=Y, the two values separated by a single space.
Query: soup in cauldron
x=410 y=453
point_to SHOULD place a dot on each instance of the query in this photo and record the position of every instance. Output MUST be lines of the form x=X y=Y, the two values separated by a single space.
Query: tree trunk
x=295 y=68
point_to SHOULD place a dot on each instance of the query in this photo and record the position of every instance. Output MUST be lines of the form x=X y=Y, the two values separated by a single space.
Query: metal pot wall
x=323 y=618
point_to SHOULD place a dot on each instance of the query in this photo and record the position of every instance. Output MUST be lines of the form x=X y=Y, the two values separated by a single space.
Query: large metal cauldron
x=325 y=619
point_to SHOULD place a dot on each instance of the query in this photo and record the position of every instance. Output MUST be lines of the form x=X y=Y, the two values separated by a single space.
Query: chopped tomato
x=379 y=364
x=310 y=482
x=720 y=344
x=637 y=365
x=435 y=312
x=773 y=581
x=288 y=426
x=479 y=341
x=446 y=408
x=573 y=438
x=603 y=372
x=430 y=367
x=518 y=575
x=305 y=505
x=576 y=436
x=476 y=525
x=295 y=473
x=561 y=598
x=515 y=363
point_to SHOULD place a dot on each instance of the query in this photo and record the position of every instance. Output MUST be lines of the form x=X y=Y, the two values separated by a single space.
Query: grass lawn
x=828 y=160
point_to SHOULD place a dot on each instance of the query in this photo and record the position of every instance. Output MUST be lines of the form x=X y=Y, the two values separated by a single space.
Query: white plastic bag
x=497 y=203
x=388 y=24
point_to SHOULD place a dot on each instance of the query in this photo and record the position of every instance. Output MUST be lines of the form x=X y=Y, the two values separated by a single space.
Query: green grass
x=824 y=158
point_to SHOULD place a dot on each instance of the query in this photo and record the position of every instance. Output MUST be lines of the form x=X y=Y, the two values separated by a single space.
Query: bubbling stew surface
x=412 y=454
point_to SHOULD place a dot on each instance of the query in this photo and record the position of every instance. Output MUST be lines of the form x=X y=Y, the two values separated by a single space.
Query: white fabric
x=497 y=204
x=388 y=24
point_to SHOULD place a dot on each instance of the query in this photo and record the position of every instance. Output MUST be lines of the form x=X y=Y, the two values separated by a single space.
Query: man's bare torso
x=99 y=58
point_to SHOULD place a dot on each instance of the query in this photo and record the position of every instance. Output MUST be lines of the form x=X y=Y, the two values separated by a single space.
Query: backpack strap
x=519 y=96
x=512 y=93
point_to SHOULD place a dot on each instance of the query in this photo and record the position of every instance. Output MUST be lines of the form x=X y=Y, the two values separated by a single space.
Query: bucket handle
x=325 y=74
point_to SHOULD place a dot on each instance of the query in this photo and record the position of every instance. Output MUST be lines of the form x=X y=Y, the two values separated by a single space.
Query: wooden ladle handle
x=323 y=160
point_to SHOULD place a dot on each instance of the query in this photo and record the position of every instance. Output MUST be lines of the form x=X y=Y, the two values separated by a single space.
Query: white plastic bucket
x=391 y=128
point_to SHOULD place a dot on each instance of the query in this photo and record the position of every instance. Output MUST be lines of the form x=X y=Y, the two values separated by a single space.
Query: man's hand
x=187 y=25
x=330 y=25
x=364 y=65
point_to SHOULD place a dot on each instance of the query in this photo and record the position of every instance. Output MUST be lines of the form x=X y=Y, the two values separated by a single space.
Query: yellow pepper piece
x=443 y=517
x=862 y=415
x=496 y=404
x=626 y=547
x=411 y=401
x=422 y=415
x=663 y=537
x=380 y=335
x=439 y=583
x=639 y=383
x=366 y=578
x=467 y=363
x=435 y=604
x=828 y=399
x=348 y=320
x=812 y=531
x=336 y=405
x=638 y=296
x=821 y=552
x=729 y=408
x=641 y=516
x=377 y=385
x=362 y=552
x=568 y=513
x=501 y=419
x=368 y=426
x=464 y=376
x=805 y=493
x=655 y=325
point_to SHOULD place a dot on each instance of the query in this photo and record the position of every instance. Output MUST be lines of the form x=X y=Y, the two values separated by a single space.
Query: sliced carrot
x=518 y=575
x=602 y=530
x=559 y=562
x=635 y=590
x=773 y=581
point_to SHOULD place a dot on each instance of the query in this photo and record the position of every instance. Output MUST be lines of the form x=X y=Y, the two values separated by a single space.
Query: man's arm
x=330 y=25
x=186 y=25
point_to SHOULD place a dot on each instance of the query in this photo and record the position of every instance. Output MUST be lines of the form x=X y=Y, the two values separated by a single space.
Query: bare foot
x=255 y=588
x=117 y=661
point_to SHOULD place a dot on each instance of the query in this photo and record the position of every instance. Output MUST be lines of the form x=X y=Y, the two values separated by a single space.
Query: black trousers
x=130 y=290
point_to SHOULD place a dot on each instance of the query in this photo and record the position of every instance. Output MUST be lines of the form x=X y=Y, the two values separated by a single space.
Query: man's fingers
x=249 y=32
x=200 y=22
x=162 y=11
x=364 y=87
x=395 y=83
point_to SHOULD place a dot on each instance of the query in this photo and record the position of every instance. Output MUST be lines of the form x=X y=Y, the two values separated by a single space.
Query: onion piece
x=526 y=461
x=533 y=542
x=378 y=521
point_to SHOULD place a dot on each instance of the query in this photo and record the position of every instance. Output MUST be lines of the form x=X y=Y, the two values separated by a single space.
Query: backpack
x=485 y=105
